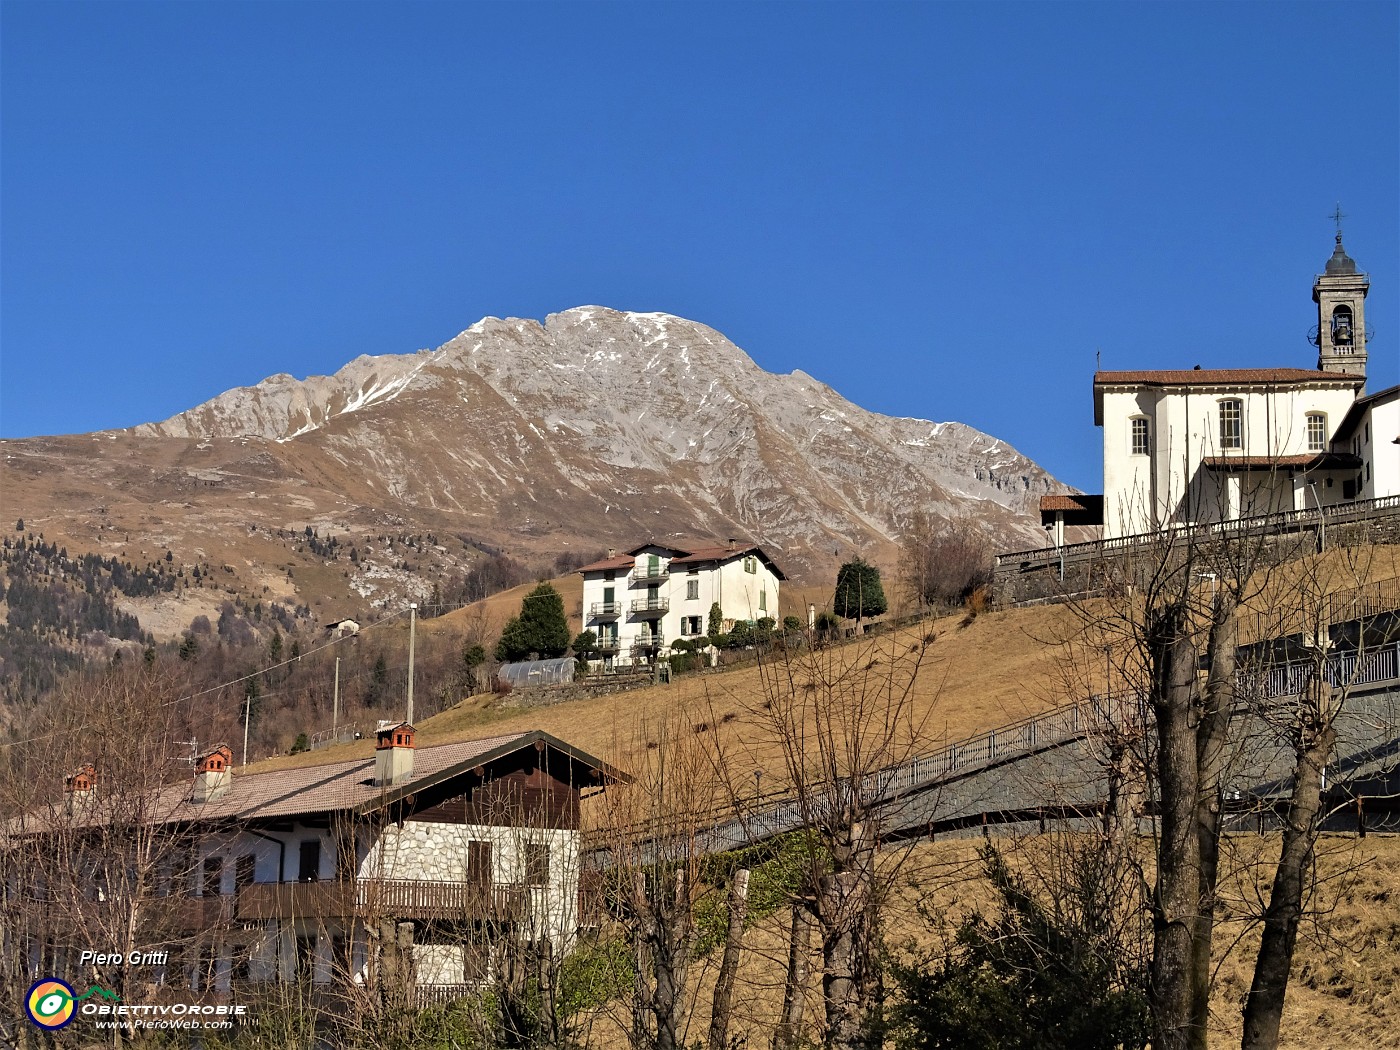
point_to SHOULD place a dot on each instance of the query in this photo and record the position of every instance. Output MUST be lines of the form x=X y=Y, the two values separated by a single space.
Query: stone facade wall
x=435 y=852
x=549 y=695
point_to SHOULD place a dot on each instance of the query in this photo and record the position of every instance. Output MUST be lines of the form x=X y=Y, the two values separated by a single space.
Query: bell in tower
x=1340 y=293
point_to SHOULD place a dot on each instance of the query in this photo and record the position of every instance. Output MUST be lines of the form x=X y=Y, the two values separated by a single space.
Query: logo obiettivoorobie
x=51 y=1003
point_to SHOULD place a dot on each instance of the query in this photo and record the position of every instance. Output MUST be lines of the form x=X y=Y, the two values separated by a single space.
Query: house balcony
x=399 y=898
x=647 y=643
x=651 y=607
x=644 y=574
x=608 y=643
x=178 y=911
x=200 y=913
x=605 y=610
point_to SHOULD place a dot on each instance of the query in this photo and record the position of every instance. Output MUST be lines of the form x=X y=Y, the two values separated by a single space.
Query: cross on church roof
x=1337 y=216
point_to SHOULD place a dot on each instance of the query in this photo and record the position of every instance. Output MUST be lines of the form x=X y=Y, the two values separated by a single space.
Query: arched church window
x=1231 y=423
x=1317 y=432
x=1341 y=324
x=1141 y=441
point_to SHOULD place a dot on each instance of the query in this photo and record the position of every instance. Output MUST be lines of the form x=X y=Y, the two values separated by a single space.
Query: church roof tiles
x=1226 y=377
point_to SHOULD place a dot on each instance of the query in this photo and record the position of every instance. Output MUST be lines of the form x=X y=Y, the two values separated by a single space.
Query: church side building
x=1206 y=445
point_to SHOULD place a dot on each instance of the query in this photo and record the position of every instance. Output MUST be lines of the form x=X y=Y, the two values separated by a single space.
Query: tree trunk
x=729 y=965
x=1176 y=898
x=789 y=1028
x=544 y=976
x=641 y=989
x=643 y=926
x=843 y=907
x=1212 y=736
x=670 y=955
x=1263 y=1010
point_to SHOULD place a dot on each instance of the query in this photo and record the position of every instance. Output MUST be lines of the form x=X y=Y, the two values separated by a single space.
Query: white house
x=295 y=875
x=639 y=602
x=1205 y=445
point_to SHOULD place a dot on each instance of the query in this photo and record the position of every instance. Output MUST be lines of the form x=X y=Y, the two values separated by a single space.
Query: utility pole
x=335 y=702
x=412 y=623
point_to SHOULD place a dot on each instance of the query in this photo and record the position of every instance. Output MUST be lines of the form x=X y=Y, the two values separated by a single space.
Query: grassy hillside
x=1000 y=667
x=1344 y=993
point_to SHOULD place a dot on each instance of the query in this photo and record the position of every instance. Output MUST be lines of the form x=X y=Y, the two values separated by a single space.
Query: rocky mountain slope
x=596 y=428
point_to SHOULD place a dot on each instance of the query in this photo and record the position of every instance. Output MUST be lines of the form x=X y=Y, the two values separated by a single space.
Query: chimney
x=733 y=543
x=80 y=788
x=612 y=552
x=213 y=774
x=393 y=753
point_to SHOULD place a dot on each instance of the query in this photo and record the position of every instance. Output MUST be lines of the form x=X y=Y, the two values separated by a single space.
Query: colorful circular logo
x=50 y=1003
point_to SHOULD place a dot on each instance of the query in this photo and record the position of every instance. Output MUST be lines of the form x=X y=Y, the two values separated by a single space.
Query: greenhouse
x=527 y=674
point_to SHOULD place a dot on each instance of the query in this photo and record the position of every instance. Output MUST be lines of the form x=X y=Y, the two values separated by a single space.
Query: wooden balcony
x=295 y=900
x=605 y=610
x=199 y=913
x=400 y=898
x=408 y=899
x=174 y=912
x=650 y=607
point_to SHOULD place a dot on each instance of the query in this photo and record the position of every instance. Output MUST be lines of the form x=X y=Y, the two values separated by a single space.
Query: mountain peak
x=599 y=424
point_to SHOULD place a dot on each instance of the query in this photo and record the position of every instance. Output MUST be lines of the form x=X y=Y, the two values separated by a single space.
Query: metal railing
x=646 y=606
x=1347 y=670
x=784 y=811
x=599 y=610
x=649 y=574
x=339 y=735
x=1282 y=521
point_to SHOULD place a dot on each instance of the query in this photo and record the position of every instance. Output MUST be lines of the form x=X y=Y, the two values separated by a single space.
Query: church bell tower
x=1340 y=294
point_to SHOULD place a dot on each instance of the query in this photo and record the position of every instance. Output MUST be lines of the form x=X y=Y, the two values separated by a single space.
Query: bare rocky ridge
x=596 y=428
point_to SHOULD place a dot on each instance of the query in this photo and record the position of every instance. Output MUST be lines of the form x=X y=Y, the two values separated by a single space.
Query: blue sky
x=942 y=210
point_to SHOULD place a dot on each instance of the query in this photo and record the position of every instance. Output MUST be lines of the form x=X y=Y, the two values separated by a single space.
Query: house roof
x=726 y=553
x=1079 y=508
x=348 y=786
x=1062 y=501
x=697 y=553
x=1312 y=460
x=1227 y=377
x=621 y=561
x=1222 y=378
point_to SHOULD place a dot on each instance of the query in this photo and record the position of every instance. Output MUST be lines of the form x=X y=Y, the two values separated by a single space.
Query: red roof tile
x=727 y=553
x=622 y=561
x=1336 y=460
x=335 y=786
x=1226 y=377
x=1061 y=501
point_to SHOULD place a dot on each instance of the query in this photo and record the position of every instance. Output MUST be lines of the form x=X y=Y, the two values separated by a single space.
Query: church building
x=1207 y=445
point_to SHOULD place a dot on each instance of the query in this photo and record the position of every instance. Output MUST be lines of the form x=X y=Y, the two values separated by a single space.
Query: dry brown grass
x=1001 y=667
x=1344 y=993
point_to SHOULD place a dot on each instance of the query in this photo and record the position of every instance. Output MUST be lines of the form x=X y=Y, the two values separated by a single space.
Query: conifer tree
x=859 y=592
x=540 y=628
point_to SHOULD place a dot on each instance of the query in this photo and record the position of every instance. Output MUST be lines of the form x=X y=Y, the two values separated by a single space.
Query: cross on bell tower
x=1340 y=293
